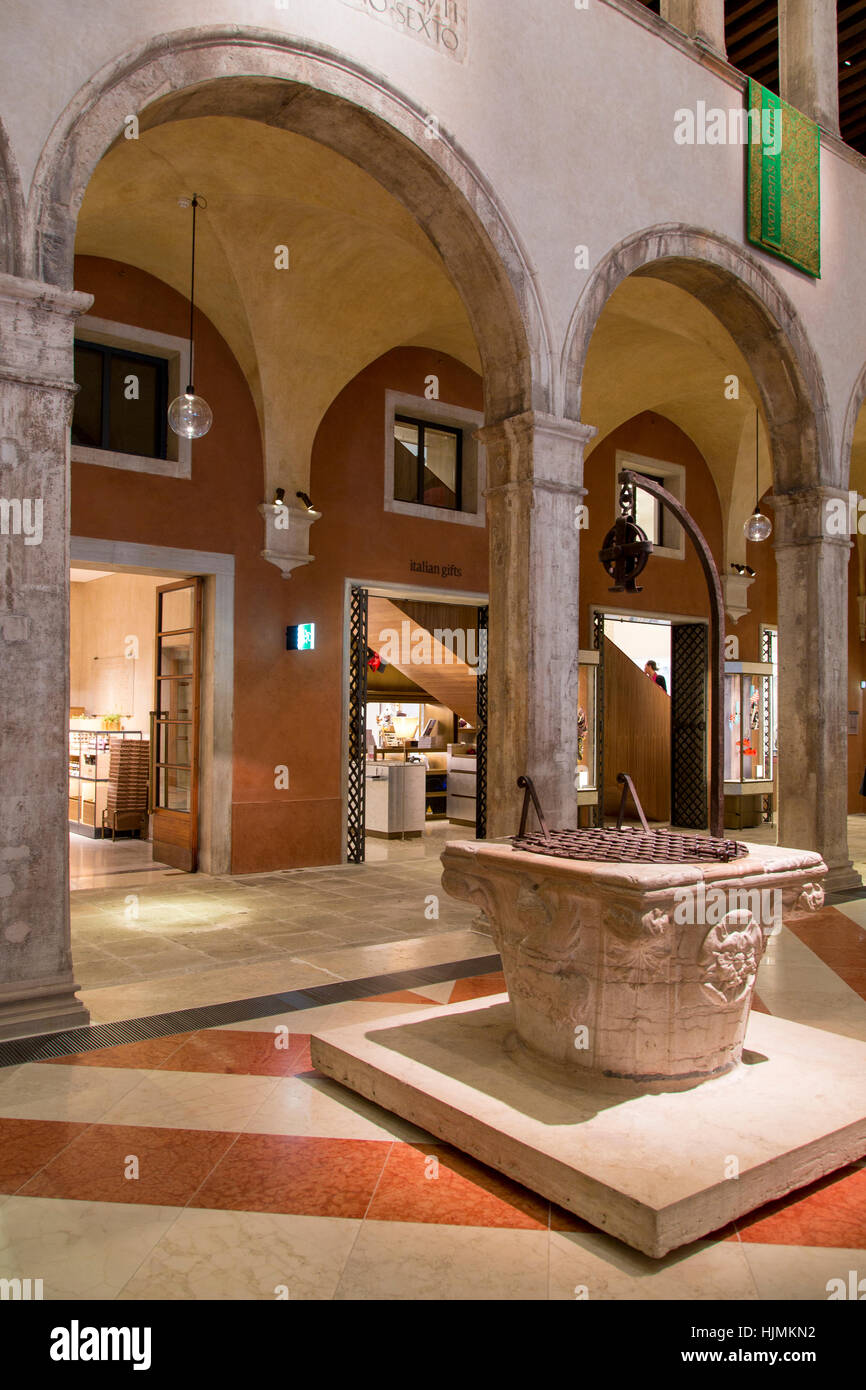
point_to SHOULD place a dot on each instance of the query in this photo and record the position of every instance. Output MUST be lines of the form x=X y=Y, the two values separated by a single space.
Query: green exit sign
x=301 y=637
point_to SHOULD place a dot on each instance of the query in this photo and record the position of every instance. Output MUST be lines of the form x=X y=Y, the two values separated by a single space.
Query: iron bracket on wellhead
x=528 y=787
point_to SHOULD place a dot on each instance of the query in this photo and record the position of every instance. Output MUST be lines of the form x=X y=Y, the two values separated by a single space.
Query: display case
x=586 y=772
x=749 y=732
x=89 y=760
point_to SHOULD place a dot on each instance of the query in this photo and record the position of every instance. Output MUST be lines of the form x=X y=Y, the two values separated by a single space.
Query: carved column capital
x=36 y=328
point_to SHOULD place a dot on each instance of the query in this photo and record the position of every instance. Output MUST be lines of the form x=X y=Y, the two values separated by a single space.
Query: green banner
x=783 y=181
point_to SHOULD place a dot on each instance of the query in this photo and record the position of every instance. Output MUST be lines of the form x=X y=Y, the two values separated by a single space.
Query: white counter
x=395 y=799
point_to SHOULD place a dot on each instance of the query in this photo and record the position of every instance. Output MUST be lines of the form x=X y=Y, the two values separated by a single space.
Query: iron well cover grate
x=629 y=846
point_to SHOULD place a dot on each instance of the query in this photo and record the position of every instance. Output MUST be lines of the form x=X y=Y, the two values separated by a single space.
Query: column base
x=27 y=1011
x=841 y=878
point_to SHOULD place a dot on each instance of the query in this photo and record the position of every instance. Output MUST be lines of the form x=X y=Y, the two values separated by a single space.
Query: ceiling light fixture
x=189 y=415
x=758 y=526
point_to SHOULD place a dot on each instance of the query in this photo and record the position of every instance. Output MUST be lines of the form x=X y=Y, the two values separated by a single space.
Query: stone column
x=535 y=485
x=37 y=990
x=700 y=19
x=809 y=59
x=812 y=545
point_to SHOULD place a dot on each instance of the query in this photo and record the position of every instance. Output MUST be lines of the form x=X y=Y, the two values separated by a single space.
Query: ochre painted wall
x=668 y=586
x=287 y=705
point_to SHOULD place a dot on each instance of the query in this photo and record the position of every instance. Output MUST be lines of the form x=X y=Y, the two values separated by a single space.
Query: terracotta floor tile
x=838 y=942
x=464 y=1193
x=302 y=1060
x=831 y=1212
x=27 y=1145
x=478 y=986
x=242 y=1053
x=296 y=1175
x=150 y=1053
x=172 y=1164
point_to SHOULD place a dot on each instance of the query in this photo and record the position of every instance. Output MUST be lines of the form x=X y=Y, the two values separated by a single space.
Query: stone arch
x=855 y=404
x=760 y=318
x=11 y=210
x=308 y=89
x=811 y=568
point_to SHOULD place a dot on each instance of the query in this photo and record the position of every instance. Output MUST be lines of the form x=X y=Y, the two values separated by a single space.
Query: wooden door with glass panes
x=175 y=725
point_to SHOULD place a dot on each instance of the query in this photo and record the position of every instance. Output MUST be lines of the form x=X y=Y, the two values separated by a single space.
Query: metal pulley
x=625 y=549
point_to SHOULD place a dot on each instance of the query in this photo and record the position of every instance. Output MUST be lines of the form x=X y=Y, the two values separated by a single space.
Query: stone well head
x=640 y=972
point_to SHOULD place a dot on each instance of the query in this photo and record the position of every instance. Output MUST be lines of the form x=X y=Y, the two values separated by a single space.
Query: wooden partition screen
x=637 y=735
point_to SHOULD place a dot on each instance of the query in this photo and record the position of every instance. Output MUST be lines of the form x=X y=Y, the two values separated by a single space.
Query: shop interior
x=636 y=723
x=422 y=664
x=111 y=677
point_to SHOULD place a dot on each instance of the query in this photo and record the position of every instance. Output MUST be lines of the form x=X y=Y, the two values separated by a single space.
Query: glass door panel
x=175 y=770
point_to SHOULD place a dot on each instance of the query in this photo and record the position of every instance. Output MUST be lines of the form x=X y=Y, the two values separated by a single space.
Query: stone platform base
x=656 y=1171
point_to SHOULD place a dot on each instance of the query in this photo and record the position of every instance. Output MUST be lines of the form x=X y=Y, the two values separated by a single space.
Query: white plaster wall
x=569 y=115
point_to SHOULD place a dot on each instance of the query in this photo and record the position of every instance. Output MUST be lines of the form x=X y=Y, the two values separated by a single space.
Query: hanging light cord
x=757 y=493
x=189 y=390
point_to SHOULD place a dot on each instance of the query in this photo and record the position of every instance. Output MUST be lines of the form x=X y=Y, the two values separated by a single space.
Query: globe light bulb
x=758 y=527
x=190 y=415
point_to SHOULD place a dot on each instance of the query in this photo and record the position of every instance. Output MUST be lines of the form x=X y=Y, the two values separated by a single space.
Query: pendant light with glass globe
x=758 y=526
x=190 y=415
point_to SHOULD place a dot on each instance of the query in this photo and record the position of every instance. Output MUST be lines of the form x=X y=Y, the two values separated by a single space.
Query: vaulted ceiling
x=362 y=277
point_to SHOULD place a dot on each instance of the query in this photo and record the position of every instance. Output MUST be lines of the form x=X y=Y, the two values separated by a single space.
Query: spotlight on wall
x=306 y=501
x=743 y=569
x=280 y=497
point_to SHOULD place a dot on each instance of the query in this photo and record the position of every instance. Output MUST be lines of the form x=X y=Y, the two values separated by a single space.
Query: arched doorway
x=787 y=385
x=296 y=90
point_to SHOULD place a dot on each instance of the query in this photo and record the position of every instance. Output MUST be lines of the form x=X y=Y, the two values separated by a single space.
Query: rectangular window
x=428 y=464
x=648 y=514
x=122 y=401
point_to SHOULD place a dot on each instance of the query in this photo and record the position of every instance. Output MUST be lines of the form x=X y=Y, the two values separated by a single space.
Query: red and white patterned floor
x=218 y=1165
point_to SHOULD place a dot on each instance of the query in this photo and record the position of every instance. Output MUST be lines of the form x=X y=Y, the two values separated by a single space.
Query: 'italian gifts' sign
x=783 y=181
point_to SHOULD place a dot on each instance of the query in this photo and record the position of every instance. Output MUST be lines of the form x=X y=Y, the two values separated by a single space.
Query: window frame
x=422 y=426
x=672 y=477
x=107 y=352
x=474 y=457
x=129 y=338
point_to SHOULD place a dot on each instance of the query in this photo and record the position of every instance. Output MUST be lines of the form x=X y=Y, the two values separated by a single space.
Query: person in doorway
x=651 y=669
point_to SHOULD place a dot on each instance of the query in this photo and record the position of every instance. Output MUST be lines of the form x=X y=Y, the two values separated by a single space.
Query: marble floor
x=215 y=1163
x=150 y=943
x=147 y=939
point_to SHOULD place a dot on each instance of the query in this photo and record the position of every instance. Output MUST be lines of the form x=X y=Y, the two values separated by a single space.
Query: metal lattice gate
x=598 y=645
x=689 y=667
x=481 y=740
x=357 y=784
